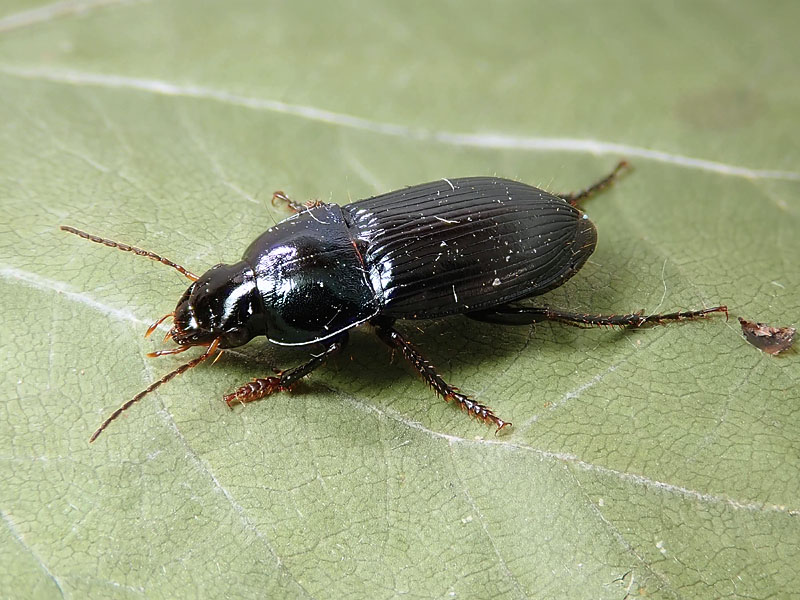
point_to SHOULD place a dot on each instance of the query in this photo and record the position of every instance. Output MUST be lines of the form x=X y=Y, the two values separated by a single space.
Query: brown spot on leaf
x=721 y=109
x=771 y=340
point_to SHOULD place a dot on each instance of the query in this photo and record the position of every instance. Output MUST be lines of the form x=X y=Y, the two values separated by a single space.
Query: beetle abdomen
x=455 y=246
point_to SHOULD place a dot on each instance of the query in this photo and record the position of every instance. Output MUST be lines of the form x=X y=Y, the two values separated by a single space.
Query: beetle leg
x=577 y=197
x=295 y=207
x=394 y=340
x=525 y=315
x=258 y=388
x=509 y=315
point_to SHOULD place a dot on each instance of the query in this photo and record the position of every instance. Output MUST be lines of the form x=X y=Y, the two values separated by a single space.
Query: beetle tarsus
x=681 y=315
x=473 y=408
x=253 y=390
x=395 y=340
x=576 y=198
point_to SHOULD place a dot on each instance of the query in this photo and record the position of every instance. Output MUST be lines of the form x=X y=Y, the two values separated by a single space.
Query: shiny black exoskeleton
x=447 y=247
x=475 y=246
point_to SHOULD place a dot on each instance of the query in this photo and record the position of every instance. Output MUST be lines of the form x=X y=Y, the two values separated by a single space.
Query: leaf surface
x=662 y=462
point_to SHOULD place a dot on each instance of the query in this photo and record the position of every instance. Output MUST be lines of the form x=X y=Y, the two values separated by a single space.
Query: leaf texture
x=663 y=462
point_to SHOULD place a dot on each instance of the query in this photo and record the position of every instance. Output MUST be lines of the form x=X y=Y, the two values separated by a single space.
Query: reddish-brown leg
x=575 y=199
x=525 y=315
x=295 y=207
x=393 y=339
x=258 y=388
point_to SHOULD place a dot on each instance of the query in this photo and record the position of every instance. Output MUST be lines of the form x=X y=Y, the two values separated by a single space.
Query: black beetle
x=474 y=246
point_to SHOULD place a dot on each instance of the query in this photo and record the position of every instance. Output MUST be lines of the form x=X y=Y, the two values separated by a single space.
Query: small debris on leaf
x=771 y=340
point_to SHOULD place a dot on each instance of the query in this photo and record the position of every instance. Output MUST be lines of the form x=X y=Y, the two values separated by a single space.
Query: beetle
x=475 y=246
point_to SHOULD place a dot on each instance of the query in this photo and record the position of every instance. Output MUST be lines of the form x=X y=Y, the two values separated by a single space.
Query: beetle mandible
x=475 y=246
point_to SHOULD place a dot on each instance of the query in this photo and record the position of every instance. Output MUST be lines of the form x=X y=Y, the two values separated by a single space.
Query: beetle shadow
x=455 y=346
x=458 y=347
x=451 y=344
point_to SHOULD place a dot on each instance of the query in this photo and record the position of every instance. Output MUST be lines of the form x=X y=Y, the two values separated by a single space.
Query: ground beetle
x=474 y=246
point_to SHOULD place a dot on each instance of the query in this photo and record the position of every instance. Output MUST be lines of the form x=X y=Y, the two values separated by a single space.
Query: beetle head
x=222 y=304
x=221 y=309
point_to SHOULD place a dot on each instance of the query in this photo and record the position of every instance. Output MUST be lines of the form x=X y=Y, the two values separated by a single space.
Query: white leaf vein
x=474 y=140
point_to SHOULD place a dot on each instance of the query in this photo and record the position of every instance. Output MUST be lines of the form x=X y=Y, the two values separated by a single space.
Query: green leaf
x=662 y=462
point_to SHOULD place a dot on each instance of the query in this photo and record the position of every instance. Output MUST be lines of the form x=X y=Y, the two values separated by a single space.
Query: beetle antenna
x=126 y=248
x=182 y=369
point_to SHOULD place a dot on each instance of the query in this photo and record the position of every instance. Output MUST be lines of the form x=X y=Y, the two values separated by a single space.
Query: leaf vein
x=18 y=537
x=42 y=283
x=571 y=459
x=51 y=12
x=503 y=564
x=463 y=140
